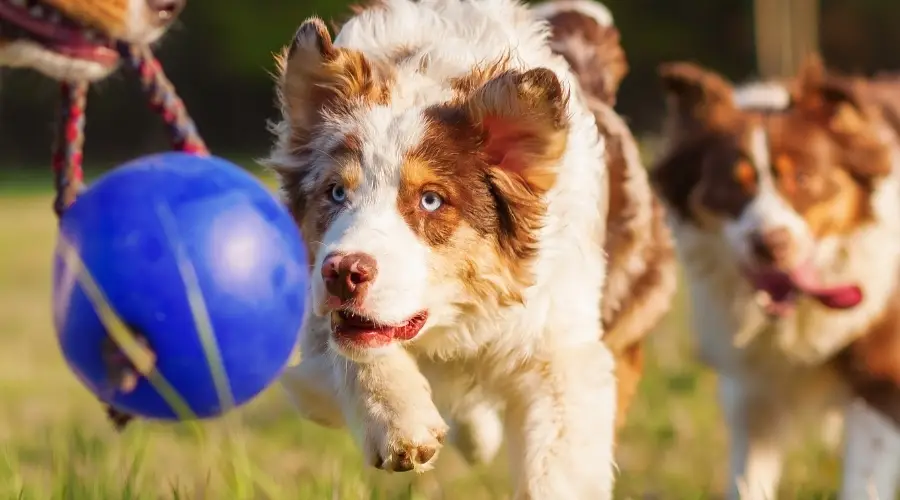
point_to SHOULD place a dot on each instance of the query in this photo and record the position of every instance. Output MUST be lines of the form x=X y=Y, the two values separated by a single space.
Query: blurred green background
x=219 y=56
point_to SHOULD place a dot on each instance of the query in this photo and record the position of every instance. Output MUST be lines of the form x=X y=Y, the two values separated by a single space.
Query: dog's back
x=640 y=281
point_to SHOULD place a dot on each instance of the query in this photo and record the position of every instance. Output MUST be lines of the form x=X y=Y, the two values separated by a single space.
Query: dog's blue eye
x=431 y=201
x=338 y=194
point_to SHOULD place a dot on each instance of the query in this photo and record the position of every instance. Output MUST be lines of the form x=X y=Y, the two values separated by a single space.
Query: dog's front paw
x=407 y=441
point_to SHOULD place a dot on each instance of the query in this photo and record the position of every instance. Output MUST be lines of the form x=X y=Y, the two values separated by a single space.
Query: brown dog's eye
x=744 y=173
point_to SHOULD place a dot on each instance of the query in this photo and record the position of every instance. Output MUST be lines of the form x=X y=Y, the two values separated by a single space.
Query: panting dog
x=459 y=189
x=785 y=204
x=74 y=40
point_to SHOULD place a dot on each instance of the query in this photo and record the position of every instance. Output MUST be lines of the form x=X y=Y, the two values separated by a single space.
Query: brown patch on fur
x=491 y=156
x=635 y=227
x=827 y=149
x=458 y=180
x=700 y=175
x=315 y=79
x=592 y=50
x=628 y=371
x=871 y=365
x=818 y=187
x=699 y=100
x=640 y=282
x=702 y=129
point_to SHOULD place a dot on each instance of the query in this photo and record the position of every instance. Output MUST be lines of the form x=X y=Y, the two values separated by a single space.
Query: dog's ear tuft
x=315 y=77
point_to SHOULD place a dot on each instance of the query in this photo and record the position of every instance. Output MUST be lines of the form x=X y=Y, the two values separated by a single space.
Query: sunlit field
x=57 y=444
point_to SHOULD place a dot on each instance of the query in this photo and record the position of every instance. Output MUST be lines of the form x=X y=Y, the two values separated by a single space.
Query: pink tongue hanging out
x=836 y=297
x=781 y=288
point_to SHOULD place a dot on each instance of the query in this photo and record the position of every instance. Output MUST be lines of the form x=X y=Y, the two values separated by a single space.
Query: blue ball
x=151 y=233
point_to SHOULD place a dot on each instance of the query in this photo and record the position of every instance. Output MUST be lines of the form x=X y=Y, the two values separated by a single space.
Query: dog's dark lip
x=354 y=328
x=42 y=24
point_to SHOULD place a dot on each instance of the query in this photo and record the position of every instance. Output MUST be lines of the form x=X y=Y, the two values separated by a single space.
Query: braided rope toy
x=69 y=175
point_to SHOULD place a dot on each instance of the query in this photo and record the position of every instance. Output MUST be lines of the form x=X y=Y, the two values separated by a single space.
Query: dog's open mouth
x=777 y=290
x=352 y=328
x=44 y=25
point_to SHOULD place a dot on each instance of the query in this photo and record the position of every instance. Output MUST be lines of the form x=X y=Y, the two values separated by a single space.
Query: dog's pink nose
x=165 y=10
x=347 y=276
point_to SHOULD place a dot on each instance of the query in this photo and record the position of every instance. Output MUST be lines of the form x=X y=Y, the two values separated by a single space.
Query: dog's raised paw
x=402 y=449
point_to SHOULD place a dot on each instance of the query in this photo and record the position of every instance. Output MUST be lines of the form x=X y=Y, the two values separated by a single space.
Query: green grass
x=56 y=444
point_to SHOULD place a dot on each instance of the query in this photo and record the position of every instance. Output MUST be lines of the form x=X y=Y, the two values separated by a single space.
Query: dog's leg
x=560 y=419
x=387 y=403
x=312 y=385
x=756 y=426
x=871 y=455
x=477 y=431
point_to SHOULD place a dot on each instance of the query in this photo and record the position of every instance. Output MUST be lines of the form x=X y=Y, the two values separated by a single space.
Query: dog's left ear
x=521 y=126
x=315 y=77
x=836 y=102
x=839 y=104
x=522 y=119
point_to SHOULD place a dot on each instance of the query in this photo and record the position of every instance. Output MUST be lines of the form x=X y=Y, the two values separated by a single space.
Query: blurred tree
x=786 y=31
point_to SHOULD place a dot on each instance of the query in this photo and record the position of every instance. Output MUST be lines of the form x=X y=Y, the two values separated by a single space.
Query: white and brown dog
x=447 y=171
x=74 y=40
x=784 y=202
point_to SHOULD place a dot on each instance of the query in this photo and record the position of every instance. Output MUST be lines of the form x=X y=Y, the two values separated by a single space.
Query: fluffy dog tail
x=583 y=32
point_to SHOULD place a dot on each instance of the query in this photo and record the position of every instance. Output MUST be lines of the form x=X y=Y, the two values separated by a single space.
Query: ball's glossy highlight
x=176 y=243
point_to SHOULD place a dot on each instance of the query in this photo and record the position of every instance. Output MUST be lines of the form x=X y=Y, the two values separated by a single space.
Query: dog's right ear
x=697 y=98
x=314 y=76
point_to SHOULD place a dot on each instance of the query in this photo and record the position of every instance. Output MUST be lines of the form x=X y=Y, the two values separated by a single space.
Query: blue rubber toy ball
x=197 y=258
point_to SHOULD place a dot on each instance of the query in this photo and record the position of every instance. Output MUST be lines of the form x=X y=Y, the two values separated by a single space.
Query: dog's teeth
x=91 y=35
x=36 y=11
x=762 y=298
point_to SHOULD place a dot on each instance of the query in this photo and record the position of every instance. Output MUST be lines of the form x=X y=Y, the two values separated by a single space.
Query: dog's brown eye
x=744 y=173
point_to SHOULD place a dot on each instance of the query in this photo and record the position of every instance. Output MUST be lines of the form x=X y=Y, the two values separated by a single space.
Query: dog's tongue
x=842 y=296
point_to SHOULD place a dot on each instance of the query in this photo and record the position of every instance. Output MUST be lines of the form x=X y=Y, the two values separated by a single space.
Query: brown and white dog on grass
x=74 y=40
x=785 y=202
x=457 y=198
